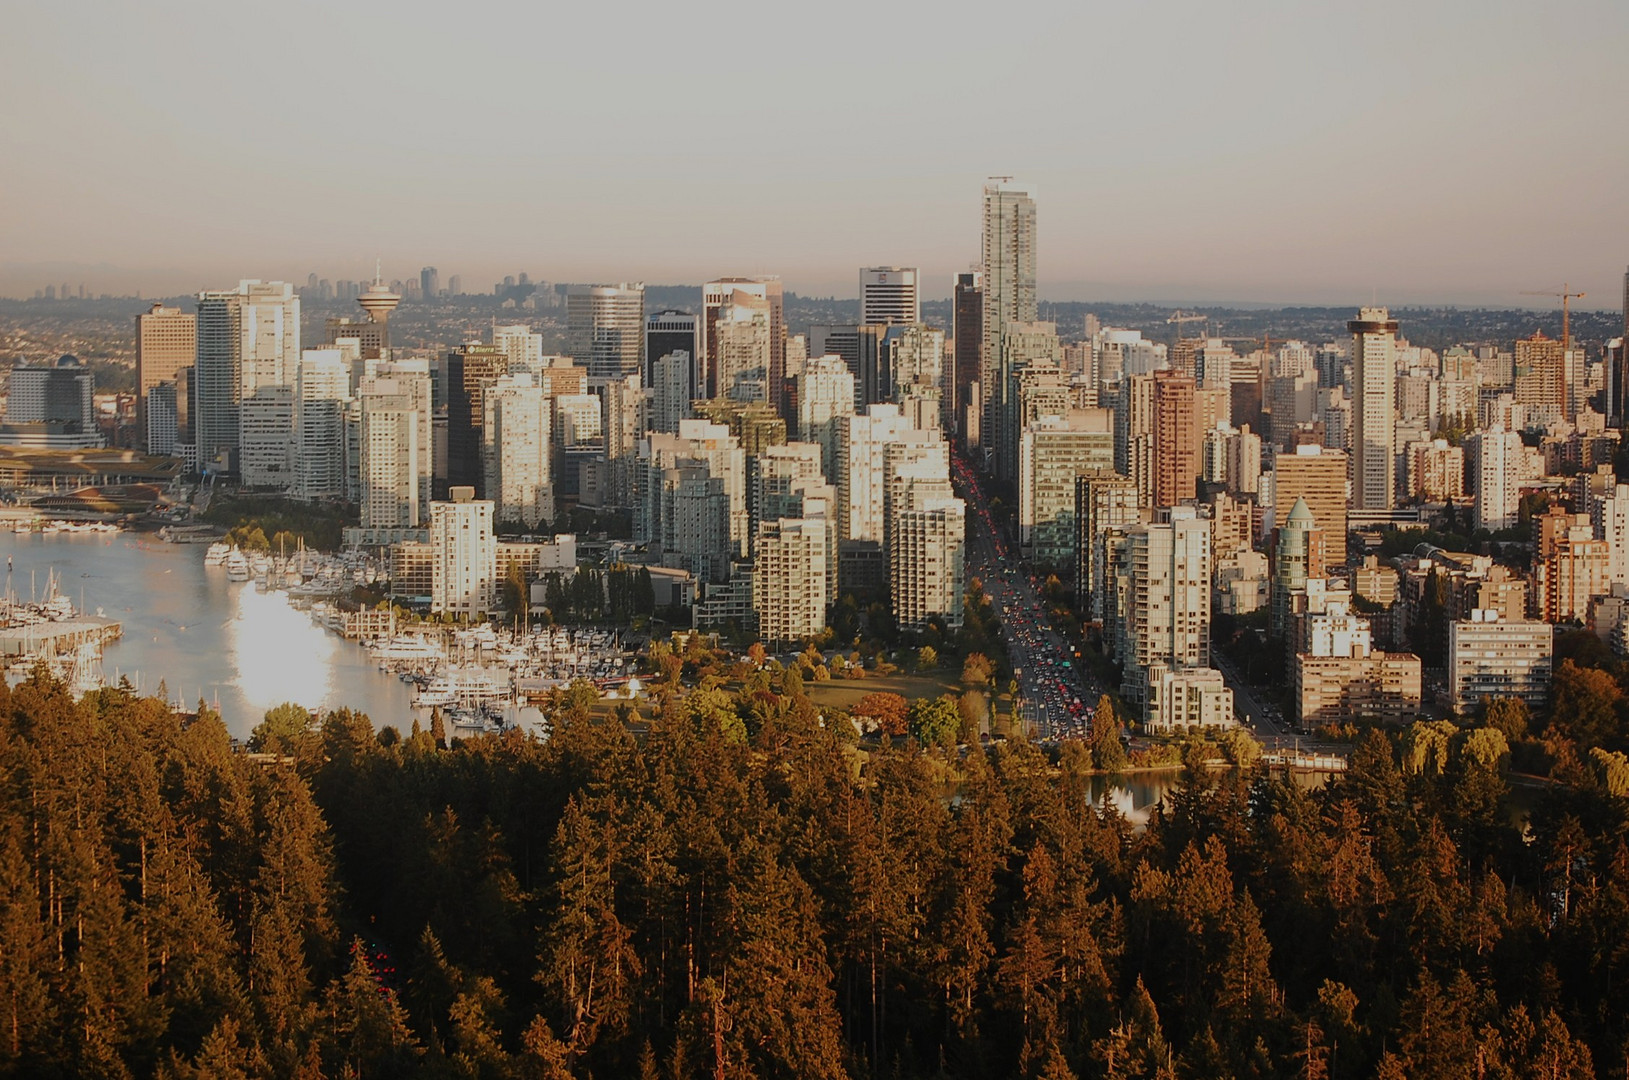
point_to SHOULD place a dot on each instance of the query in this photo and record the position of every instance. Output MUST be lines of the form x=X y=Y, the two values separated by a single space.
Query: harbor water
x=238 y=648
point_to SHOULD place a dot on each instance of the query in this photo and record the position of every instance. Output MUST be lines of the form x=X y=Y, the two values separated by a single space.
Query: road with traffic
x=1056 y=696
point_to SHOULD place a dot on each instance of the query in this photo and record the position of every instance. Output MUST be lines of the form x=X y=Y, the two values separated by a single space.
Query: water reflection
x=227 y=643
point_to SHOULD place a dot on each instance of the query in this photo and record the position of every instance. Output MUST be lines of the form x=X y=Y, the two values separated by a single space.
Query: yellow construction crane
x=1567 y=297
x=1179 y=317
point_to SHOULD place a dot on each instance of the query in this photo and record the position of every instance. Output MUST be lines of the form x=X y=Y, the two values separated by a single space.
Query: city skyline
x=1287 y=157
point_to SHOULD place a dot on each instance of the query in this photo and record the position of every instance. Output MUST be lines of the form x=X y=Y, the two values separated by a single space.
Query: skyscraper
x=605 y=328
x=1166 y=569
x=1176 y=439
x=668 y=332
x=322 y=386
x=1498 y=477
x=888 y=295
x=1374 y=409
x=1009 y=270
x=463 y=556
x=1318 y=476
x=166 y=342
x=248 y=338
x=391 y=456
x=741 y=348
x=967 y=332
x=714 y=295
x=789 y=578
x=429 y=283
x=523 y=347
x=515 y=443
x=468 y=371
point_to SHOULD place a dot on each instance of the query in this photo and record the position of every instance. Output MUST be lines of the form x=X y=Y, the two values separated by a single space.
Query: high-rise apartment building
x=1166 y=568
x=888 y=295
x=1023 y=346
x=1542 y=384
x=605 y=329
x=1054 y=451
x=825 y=391
x=740 y=341
x=1008 y=263
x=463 y=556
x=714 y=296
x=521 y=344
x=1104 y=500
x=467 y=371
x=1610 y=516
x=967 y=334
x=702 y=461
x=51 y=406
x=1577 y=570
x=322 y=387
x=1498 y=477
x=392 y=455
x=670 y=332
x=926 y=549
x=1489 y=656
x=429 y=283
x=248 y=338
x=789 y=578
x=1176 y=439
x=515 y=450
x=266 y=438
x=862 y=451
x=1319 y=476
x=166 y=342
x=672 y=390
x=1298 y=557
x=1134 y=426
x=1435 y=470
x=1374 y=409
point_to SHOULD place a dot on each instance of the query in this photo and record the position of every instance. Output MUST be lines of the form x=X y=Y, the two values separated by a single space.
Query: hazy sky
x=1253 y=151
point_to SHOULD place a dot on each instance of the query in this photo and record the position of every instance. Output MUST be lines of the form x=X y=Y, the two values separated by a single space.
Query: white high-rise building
x=515 y=445
x=774 y=470
x=322 y=387
x=605 y=329
x=1166 y=569
x=1498 y=477
x=914 y=359
x=888 y=295
x=248 y=338
x=1008 y=249
x=1374 y=409
x=1611 y=518
x=623 y=424
x=862 y=448
x=1054 y=451
x=741 y=344
x=577 y=420
x=524 y=348
x=672 y=377
x=825 y=392
x=701 y=464
x=714 y=296
x=789 y=578
x=393 y=456
x=463 y=556
x=266 y=438
x=927 y=553
x=1493 y=657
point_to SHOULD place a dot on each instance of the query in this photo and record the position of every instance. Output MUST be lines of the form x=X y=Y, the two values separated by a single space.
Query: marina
x=240 y=646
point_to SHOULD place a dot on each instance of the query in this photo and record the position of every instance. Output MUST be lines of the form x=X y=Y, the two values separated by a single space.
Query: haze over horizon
x=1276 y=155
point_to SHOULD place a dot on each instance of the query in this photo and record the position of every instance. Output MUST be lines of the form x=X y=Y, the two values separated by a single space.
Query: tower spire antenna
x=378 y=272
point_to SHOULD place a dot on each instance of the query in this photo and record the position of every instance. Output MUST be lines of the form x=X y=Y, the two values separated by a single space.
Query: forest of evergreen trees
x=754 y=895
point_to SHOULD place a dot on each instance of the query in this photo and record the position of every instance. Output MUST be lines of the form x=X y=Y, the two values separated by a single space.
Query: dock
x=57 y=637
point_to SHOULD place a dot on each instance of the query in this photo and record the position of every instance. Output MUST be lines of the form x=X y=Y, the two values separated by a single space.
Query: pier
x=55 y=638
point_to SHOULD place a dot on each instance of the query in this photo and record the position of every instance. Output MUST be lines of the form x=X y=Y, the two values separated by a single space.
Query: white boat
x=237 y=566
x=462 y=686
x=405 y=648
x=217 y=553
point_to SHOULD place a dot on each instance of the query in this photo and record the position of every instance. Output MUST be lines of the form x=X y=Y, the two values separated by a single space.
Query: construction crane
x=1179 y=317
x=1567 y=297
